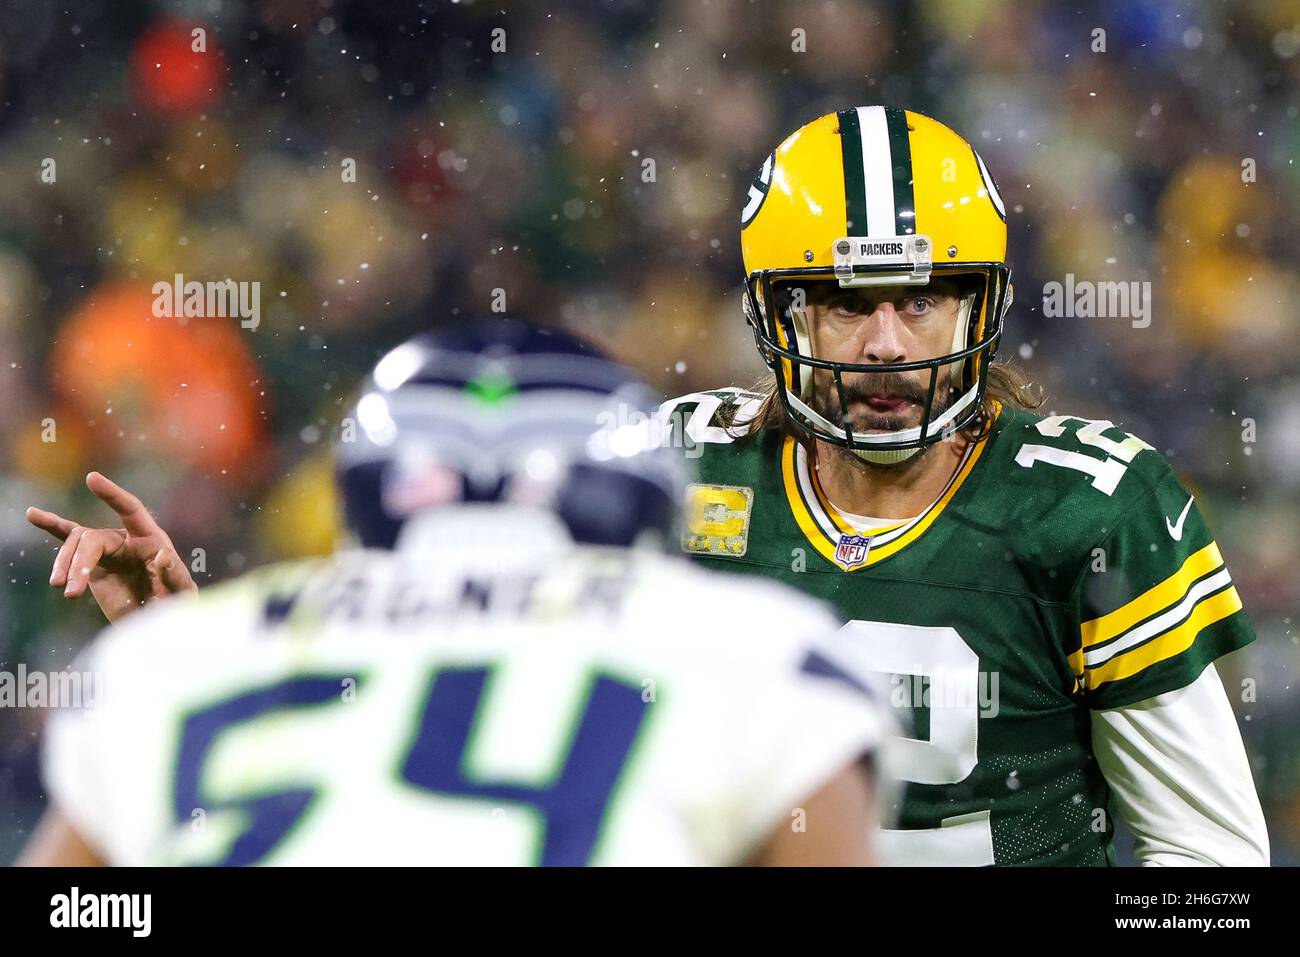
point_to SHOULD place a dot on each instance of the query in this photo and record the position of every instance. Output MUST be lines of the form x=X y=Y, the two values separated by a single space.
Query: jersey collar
x=835 y=538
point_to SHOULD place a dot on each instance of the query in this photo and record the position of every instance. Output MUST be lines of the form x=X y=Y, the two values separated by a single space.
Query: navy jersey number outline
x=271 y=815
x=572 y=807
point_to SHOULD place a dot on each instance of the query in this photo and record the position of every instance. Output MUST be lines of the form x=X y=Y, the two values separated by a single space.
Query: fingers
x=135 y=517
x=56 y=525
x=168 y=568
x=91 y=546
x=63 y=560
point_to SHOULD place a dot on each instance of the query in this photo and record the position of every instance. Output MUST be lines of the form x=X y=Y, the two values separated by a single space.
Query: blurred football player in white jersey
x=509 y=669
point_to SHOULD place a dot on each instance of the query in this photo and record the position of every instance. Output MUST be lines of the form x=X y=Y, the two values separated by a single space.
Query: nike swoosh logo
x=1176 y=528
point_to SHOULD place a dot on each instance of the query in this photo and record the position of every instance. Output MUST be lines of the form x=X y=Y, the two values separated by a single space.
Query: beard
x=864 y=410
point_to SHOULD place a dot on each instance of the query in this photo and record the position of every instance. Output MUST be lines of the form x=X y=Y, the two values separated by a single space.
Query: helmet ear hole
x=607 y=507
x=365 y=512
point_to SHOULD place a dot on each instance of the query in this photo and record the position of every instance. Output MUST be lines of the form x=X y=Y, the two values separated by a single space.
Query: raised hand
x=123 y=567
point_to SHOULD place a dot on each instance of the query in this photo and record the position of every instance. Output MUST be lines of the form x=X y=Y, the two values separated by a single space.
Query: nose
x=883 y=335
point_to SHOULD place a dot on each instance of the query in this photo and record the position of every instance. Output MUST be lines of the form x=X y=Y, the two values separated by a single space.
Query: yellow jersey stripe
x=879 y=554
x=836 y=518
x=803 y=518
x=1171 y=643
x=823 y=513
x=1076 y=664
x=839 y=520
x=1153 y=600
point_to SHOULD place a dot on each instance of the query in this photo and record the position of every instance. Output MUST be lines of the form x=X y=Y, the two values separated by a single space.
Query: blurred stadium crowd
x=529 y=171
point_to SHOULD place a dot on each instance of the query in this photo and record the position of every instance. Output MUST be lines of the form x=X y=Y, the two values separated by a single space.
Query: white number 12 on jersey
x=1106 y=472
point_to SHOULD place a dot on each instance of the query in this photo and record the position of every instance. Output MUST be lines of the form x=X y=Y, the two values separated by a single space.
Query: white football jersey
x=480 y=704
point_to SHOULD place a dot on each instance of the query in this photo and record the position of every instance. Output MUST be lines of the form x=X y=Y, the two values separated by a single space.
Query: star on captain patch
x=717 y=519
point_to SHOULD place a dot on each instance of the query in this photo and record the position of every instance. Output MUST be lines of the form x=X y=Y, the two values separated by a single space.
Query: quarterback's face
x=880 y=325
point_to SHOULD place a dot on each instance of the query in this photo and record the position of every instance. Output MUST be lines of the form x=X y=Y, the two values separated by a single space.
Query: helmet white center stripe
x=877 y=170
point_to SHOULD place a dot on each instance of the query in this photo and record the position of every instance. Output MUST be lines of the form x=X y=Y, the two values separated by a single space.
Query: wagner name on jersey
x=497 y=704
x=1063 y=569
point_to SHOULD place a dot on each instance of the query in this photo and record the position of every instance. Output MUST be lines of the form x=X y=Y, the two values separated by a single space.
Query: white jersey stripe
x=1162 y=623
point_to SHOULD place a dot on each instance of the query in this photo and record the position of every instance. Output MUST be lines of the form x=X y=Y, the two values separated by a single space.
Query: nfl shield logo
x=852 y=550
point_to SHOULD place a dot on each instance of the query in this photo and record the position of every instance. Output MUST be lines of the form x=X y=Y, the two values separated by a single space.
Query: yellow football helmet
x=875 y=196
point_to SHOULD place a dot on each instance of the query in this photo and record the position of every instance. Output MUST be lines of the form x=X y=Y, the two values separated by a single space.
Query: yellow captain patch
x=717 y=519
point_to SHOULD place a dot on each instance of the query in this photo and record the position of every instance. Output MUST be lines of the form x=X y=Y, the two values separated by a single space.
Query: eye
x=917 y=305
x=847 y=304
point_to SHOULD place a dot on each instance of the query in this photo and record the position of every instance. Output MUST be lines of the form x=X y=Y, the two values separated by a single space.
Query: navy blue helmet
x=498 y=410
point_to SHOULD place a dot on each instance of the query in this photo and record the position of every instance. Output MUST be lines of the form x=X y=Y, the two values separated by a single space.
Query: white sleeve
x=1181 y=778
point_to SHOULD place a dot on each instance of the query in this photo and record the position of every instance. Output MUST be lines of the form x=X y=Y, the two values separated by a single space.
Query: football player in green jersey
x=1043 y=590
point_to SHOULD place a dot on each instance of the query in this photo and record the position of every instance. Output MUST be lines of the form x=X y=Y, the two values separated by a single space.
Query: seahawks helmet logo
x=758 y=191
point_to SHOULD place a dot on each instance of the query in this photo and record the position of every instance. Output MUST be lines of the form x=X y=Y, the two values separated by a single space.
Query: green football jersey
x=1064 y=569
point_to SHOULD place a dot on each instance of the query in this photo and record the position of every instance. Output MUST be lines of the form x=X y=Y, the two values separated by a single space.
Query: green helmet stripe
x=855 y=187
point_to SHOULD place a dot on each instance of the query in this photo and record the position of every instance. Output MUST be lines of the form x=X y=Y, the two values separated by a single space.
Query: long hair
x=1006 y=385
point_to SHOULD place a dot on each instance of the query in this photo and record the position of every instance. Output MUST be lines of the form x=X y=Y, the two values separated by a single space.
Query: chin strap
x=885 y=456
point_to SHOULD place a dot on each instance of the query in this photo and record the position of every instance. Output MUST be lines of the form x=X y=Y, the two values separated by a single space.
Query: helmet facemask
x=820 y=395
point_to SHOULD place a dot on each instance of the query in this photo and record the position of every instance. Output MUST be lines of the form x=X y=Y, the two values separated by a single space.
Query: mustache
x=881 y=383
